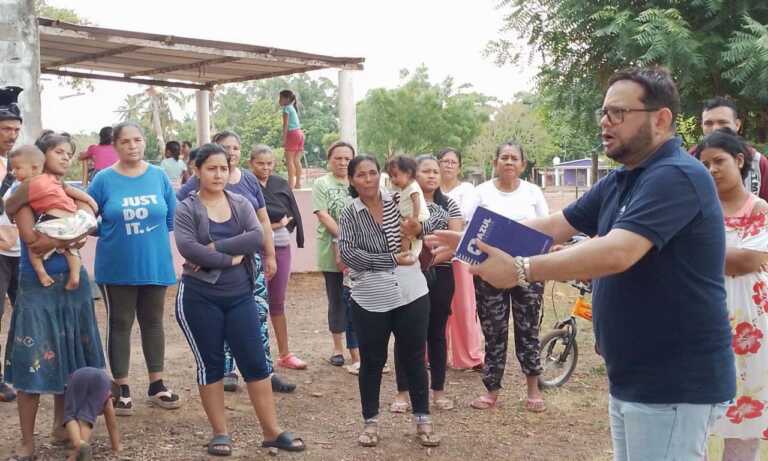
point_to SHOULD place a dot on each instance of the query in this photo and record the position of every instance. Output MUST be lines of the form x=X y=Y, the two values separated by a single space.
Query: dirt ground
x=325 y=409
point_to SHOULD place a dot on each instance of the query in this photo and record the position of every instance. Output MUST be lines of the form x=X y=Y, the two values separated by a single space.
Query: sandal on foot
x=427 y=438
x=84 y=452
x=354 y=369
x=220 y=445
x=399 y=406
x=443 y=403
x=7 y=394
x=337 y=360
x=278 y=385
x=370 y=435
x=285 y=441
x=484 y=402
x=123 y=406
x=165 y=399
x=292 y=362
x=535 y=405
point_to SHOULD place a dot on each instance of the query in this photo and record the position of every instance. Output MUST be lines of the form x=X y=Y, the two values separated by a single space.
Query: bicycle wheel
x=558 y=360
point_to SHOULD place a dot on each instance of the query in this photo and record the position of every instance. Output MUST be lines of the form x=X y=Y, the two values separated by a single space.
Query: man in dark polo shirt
x=657 y=261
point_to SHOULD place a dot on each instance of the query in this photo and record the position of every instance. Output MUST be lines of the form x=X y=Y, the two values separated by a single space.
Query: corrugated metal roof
x=164 y=60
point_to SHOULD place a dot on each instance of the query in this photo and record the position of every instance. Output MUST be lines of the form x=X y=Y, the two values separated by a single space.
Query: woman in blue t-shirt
x=243 y=182
x=134 y=264
x=53 y=331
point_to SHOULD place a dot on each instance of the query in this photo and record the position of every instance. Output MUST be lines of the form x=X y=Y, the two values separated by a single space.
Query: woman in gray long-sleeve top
x=217 y=232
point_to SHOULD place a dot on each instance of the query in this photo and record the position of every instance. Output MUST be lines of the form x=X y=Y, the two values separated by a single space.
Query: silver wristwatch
x=523 y=268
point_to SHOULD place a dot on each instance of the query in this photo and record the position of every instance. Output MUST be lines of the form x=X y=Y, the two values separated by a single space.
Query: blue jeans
x=656 y=432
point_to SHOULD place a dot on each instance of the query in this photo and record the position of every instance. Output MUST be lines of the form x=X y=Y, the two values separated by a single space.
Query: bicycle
x=559 y=349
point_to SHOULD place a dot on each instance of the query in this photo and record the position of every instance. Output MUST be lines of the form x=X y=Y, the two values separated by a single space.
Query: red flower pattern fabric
x=760 y=296
x=744 y=408
x=748 y=226
x=747 y=300
x=746 y=339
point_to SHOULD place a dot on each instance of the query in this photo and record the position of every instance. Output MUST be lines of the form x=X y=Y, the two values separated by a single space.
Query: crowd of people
x=677 y=257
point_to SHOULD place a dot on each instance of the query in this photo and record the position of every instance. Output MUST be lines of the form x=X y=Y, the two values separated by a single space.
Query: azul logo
x=472 y=245
x=135 y=210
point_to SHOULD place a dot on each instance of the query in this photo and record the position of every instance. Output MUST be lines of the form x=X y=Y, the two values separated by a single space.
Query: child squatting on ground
x=54 y=201
x=89 y=394
x=402 y=175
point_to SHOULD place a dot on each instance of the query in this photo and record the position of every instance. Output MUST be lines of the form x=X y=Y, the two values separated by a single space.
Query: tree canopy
x=420 y=116
x=712 y=47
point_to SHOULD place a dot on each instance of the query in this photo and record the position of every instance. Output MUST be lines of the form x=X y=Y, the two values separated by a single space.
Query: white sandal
x=165 y=399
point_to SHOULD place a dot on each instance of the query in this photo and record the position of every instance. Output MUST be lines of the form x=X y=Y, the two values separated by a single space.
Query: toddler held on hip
x=89 y=394
x=54 y=201
x=402 y=175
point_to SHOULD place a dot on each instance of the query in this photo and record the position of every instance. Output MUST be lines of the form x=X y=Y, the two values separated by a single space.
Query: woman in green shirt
x=330 y=195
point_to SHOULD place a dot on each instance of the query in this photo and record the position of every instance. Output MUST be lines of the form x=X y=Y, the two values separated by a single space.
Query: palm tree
x=153 y=109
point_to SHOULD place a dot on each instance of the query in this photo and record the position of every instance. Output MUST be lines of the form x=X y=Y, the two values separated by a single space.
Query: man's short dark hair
x=720 y=101
x=659 y=89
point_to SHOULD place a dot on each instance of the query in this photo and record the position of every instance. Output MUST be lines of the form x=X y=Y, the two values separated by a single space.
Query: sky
x=448 y=36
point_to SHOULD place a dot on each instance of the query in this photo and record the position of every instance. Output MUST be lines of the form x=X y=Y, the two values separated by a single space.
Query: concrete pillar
x=589 y=178
x=20 y=61
x=557 y=177
x=347 y=108
x=202 y=98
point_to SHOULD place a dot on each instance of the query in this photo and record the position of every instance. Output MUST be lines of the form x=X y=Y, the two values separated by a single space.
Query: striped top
x=438 y=220
x=369 y=248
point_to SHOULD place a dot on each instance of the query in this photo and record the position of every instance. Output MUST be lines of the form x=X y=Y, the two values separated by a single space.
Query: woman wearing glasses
x=465 y=338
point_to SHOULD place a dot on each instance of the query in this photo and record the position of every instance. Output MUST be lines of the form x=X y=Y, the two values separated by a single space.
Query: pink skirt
x=294 y=141
x=465 y=337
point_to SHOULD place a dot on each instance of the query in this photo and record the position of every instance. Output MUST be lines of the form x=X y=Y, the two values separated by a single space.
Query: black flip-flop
x=216 y=444
x=278 y=385
x=285 y=441
x=337 y=360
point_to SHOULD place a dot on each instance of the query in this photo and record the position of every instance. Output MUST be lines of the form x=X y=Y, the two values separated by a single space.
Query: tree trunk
x=761 y=130
x=156 y=124
x=595 y=166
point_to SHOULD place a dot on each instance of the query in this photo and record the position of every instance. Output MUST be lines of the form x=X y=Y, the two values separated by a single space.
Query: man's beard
x=638 y=144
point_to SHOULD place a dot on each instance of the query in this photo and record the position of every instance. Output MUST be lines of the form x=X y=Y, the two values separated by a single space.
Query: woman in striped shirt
x=389 y=295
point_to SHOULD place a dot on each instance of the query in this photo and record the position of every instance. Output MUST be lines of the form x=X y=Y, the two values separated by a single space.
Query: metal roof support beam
x=118 y=78
x=191 y=65
x=93 y=56
x=246 y=78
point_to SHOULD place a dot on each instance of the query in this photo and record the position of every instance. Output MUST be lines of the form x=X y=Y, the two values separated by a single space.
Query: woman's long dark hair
x=727 y=140
x=105 y=136
x=207 y=150
x=49 y=140
x=439 y=198
x=353 y=166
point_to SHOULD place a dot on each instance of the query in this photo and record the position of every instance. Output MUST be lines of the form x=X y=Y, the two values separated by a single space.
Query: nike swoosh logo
x=151 y=228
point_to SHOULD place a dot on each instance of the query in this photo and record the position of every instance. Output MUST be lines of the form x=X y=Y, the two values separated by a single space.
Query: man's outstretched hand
x=498 y=270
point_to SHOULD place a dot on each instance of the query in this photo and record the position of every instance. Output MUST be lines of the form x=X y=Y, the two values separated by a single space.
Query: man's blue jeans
x=656 y=432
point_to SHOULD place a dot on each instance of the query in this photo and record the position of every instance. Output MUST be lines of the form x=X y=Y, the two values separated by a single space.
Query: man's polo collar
x=667 y=148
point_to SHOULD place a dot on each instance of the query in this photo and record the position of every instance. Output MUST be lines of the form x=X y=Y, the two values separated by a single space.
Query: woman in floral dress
x=728 y=159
